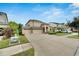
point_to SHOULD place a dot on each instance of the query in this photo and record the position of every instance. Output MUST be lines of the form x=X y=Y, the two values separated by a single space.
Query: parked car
x=67 y=31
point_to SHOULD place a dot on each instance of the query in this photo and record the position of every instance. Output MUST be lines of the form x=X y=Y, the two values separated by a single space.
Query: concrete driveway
x=51 y=45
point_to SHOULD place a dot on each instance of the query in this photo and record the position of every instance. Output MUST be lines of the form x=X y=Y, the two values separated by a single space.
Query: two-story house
x=36 y=26
x=3 y=21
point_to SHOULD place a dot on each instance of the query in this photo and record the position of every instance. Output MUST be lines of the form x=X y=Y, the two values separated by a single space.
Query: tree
x=20 y=29
x=14 y=26
x=75 y=23
x=8 y=32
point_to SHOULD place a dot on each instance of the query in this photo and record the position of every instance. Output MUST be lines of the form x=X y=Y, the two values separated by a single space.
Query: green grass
x=5 y=43
x=74 y=36
x=23 y=40
x=58 y=33
x=51 y=33
x=61 y=34
x=29 y=52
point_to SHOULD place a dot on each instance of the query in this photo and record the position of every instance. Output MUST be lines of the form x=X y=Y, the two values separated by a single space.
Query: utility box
x=14 y=40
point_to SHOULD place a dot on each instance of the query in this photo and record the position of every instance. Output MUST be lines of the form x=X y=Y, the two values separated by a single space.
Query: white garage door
x=37 y=31
x=31 y=32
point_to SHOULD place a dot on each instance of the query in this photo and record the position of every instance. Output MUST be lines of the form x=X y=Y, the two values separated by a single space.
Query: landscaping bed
x=5 y=43
x=29 y=52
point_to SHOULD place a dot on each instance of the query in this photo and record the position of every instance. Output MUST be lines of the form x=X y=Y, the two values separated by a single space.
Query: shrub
x=20 y=29
x=8 y=32
x=50 y=32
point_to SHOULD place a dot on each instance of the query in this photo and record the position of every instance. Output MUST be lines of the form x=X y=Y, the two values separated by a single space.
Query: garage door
x=31 y=32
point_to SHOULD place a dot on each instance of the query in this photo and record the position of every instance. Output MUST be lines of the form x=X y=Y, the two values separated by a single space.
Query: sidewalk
x=14 y=49
x=77 y=52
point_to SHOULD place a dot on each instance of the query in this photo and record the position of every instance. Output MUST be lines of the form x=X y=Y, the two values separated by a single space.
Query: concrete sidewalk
x=14 y=49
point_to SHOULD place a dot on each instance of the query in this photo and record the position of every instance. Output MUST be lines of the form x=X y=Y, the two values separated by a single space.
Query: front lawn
x=23 y=40
x=5 y=43
x=29 y=52
x=58 y=33
x=61 y=34
x=74 y=36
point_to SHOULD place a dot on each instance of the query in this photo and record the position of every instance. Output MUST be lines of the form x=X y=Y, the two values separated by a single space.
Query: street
x=51 y=45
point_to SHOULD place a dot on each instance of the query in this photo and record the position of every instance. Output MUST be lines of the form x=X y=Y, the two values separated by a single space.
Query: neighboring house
x=57 y=26
x=36 y=26
x=54 y=24
x=74 y=29
x=3 y=21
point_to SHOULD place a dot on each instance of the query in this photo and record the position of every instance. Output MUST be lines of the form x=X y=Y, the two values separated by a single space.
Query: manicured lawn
x=58 y=33
x=5 y=43
x=29 y=52
x=74 y=36
x=61 y=34
x=23 y=40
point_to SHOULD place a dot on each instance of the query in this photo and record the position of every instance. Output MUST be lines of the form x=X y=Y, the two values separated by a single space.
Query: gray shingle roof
x=36 y=21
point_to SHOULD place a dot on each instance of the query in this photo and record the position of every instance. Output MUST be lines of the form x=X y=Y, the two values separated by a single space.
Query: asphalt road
x=51 y=45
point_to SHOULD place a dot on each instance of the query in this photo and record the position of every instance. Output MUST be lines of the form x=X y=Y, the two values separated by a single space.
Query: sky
x=46 y=12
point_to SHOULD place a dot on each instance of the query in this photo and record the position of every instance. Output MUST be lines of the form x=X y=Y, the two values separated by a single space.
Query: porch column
x=48 y=28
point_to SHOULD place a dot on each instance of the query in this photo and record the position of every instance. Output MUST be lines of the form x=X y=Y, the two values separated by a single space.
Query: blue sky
x=46 y=12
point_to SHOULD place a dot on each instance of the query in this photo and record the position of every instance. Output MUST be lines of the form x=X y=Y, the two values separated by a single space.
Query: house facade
x=3 y=20
x=57 y=26
x=35 y=26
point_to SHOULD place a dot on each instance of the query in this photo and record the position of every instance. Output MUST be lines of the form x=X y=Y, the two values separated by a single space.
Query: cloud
x=56 y=14
x=38 y=8
x=75 y=4
x=53 y=12
x=75 y=11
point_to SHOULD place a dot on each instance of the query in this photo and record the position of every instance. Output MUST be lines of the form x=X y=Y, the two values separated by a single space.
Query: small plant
x=8 y=33
x=51 y=32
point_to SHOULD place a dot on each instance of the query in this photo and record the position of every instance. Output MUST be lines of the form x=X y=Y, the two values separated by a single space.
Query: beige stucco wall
x=30 y=24
x=25 y=31
x=4 y=26
x=3 y=18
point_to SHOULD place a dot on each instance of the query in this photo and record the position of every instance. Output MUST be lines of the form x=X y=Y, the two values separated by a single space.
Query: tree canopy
x=17 y=28
x=75 y=22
